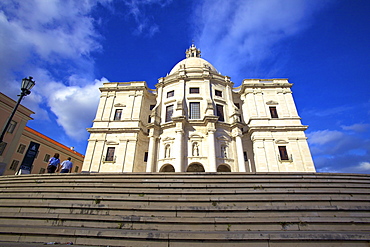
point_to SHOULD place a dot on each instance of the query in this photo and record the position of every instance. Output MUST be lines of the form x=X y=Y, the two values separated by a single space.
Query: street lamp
x=27 y=84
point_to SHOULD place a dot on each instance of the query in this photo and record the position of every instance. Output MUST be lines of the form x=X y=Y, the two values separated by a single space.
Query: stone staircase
x=187 y=209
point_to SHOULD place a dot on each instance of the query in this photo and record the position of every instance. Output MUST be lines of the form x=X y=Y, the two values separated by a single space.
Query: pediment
x=223 y=138
x=119 y=105
x=280 y=141
x=112 y=143
x=272 y=102
x=168 y=138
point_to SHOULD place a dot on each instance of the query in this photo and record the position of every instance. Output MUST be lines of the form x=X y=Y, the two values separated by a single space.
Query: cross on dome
x=192 y=52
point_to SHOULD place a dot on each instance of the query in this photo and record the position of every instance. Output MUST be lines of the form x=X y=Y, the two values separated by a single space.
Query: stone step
x=188 y=209
x=258 y=195
x=148 y=235
x=206 y=213
x=65 y=179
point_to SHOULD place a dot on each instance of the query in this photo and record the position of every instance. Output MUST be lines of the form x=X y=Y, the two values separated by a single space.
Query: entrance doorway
x=167 y=168
x=223 y=168
x=196 y=167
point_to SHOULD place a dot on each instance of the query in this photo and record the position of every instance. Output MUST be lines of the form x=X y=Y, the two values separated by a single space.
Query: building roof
x=52 y=141
x=10 y=103
x=193 y=60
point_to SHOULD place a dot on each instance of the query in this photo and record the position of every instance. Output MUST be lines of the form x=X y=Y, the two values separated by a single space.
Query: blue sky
x=72 y=47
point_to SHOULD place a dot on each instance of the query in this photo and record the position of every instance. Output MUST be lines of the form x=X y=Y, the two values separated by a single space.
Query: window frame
x=14 y=165
x=220 y=112
x=245 y=154
x=194 y=113
x=283 y=152
x=273 y=112
x=218 y=93
x=170 y=93
x=12 y=126
x=118 y=114
x=146 y=155
x=2 y=147
x=110 y=154
x=169 y=113
x=21 y=148
x=47 y=157
x=192 y=89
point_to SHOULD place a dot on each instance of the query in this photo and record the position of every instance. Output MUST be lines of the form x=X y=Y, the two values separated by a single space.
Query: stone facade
x=196 y=121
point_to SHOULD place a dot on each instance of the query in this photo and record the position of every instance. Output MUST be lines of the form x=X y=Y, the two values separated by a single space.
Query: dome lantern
x=192 y=52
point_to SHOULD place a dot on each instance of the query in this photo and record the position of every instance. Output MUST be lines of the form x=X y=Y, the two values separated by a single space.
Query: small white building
x=196 y=121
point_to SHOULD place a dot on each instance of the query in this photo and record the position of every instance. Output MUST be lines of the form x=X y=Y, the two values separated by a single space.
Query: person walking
x=54 y=163
x=66 y=166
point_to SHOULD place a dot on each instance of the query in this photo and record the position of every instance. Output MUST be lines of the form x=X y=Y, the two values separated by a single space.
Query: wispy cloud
x=54 y=42
x=359 y=127
x=341 y=151
x=145 y=25
x=244 y=33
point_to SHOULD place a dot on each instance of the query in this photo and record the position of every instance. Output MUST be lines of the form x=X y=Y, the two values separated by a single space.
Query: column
x=211 y=151
x=179 y=151
x=239 y=153
x=151 y=153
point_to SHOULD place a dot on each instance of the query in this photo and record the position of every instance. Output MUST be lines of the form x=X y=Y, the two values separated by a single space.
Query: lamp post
x=27 y=84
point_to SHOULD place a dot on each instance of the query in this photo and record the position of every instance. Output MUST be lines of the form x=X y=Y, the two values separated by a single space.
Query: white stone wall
x=247 y=140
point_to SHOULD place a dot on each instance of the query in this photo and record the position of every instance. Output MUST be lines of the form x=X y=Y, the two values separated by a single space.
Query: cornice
x=276 y=128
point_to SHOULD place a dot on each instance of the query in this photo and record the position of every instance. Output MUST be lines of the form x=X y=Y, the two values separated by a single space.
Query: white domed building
x=196 y=121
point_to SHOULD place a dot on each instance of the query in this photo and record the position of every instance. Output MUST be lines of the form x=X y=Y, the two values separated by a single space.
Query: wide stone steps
x=187 y=209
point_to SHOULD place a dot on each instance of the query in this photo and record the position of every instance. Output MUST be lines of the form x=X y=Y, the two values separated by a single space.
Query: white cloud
x=357 y=127
x=363 y=166
x=53 y=42
x=244 y=32
x=74 y=106
x=321 y=137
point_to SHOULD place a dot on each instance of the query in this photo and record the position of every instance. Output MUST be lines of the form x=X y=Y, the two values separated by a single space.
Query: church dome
x=193 y=60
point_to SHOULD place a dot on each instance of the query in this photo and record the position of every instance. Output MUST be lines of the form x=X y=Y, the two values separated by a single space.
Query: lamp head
x=27 y=85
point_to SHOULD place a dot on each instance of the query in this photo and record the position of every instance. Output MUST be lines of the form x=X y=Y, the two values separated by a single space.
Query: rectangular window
x=237 y=105
x=42 y=171
x=283 y=153
x=76 y=168
x=2 y=147
x=218 y=93
x=146 y=157
x=47 y=157
x=273 y=112
x=118 y=114
x=151 y=107
x=194 y=90
x=220 y=112
x=110 y=154
x=21 y=148
x=170 y=94
x=169 y=112
x=14 y=165
x=12 y=126
x=194 y=110
x=149 y=119
x=245 y=156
